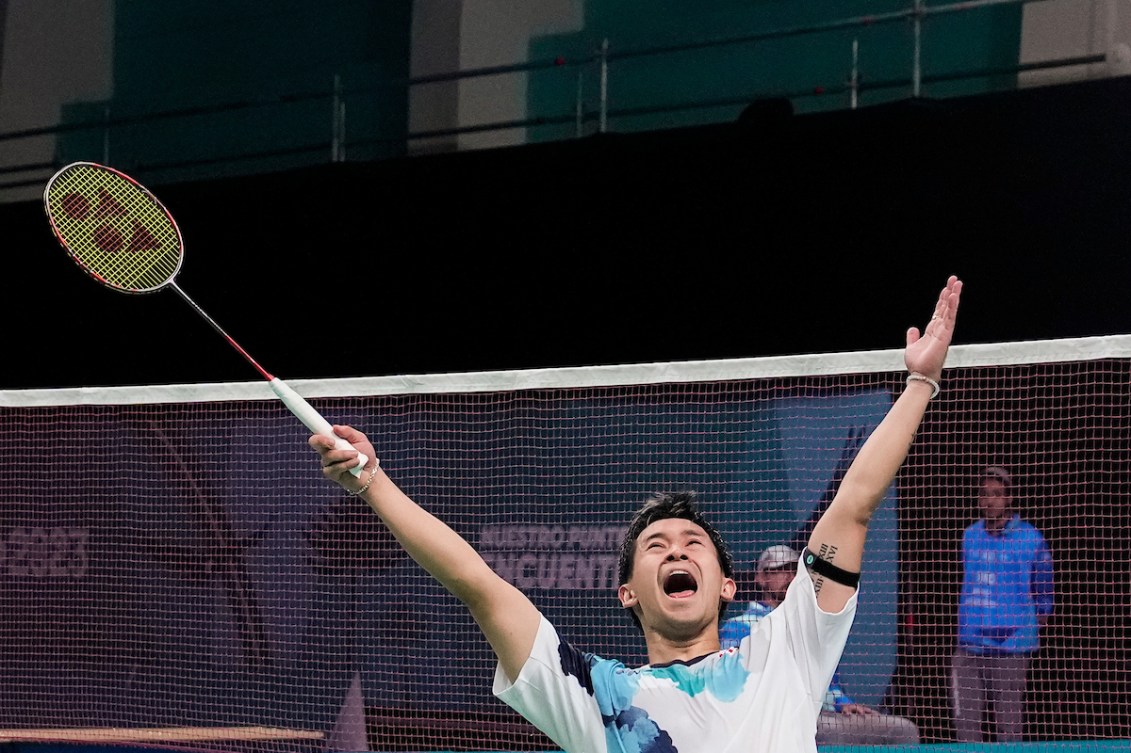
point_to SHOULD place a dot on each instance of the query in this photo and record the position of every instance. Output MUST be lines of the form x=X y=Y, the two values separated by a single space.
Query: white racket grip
x=313 y=420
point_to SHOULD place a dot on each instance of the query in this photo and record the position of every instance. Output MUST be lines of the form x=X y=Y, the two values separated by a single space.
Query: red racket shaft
x=294 y=401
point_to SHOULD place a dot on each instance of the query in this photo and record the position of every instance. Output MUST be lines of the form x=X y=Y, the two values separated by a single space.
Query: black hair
x=663 y=506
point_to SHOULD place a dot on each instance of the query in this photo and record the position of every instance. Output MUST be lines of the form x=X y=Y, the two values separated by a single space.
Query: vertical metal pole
x=854 y=79
x=917 y=60
x=106 y=135
x=579 y=108
x=603 y=122
x=342 y=130
x=336 y=121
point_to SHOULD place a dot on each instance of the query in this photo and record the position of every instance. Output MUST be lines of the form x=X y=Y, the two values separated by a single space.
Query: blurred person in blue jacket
x=842 y=720
x=1006 y=597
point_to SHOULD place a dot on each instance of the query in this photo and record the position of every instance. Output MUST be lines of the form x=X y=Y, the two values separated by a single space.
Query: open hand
x=926 y=352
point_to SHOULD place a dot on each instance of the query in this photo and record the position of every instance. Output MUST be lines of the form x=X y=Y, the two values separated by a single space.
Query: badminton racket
x=125 y=238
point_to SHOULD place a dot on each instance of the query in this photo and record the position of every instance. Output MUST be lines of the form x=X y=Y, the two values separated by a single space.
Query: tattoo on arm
x=820 y=565
x=827 y=553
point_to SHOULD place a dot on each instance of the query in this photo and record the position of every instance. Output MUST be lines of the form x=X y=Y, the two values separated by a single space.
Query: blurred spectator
x=1007 y=596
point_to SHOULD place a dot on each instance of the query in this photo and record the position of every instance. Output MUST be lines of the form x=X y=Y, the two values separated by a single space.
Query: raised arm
x=504 y=614
x=838 y=538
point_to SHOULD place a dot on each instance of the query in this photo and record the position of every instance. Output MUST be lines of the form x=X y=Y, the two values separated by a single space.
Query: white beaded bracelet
x=372 y=475
x=915 y=376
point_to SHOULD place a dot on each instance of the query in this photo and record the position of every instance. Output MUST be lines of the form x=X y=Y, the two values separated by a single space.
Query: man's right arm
x=507 y=618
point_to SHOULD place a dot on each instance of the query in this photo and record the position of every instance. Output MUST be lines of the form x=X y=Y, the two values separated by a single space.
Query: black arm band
x=829 y=570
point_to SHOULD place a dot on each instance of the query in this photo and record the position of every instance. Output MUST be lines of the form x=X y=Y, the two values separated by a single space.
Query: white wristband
x=915 y=376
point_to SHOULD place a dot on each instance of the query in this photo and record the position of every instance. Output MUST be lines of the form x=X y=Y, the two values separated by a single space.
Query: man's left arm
x=836 y=546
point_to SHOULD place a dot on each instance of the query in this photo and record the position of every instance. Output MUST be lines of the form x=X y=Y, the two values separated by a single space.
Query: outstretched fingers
x=926 y=349
x=946 y=308
x=941 y=324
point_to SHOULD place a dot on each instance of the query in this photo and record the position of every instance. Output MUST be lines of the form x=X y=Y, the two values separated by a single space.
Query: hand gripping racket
x=123 y=236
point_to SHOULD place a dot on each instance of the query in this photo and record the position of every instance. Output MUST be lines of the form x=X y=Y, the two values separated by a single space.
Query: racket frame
x=294 y=402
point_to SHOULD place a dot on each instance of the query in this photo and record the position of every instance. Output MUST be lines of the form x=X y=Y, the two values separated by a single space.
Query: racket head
x=113 y=227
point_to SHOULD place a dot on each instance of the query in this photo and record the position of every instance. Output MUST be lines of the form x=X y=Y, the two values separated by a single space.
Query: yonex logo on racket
x=107 y=234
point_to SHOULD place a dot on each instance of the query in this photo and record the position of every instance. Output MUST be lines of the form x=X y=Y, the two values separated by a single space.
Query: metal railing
x=15 y=175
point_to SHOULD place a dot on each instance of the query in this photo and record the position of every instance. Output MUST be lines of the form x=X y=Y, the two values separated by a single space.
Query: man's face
x=773 y=582
x=677 y=581
x=994 y=500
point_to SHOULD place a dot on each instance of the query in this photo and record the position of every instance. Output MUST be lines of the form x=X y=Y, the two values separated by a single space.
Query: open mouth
x=680 y=584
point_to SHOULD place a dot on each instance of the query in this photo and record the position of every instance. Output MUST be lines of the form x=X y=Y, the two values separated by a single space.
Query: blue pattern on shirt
x=614 y=686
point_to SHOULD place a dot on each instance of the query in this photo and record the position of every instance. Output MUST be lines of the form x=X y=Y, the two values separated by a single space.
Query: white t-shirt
x=762 y=697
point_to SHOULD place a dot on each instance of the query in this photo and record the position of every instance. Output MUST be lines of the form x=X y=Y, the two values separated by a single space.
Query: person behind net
x=676 y=579
x=842 y=720
x=1006 y=597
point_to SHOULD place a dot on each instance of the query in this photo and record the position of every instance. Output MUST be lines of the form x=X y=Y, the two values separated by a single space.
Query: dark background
x=776 y=234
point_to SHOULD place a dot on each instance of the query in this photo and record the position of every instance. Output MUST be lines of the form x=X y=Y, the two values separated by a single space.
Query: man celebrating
x=676 y=581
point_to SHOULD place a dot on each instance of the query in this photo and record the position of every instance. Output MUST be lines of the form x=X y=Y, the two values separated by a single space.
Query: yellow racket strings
x=114 y=228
